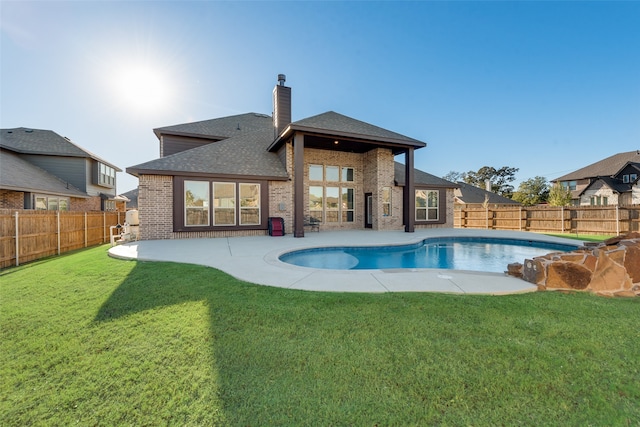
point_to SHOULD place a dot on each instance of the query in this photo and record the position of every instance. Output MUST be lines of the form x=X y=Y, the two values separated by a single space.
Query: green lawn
x=91 y=340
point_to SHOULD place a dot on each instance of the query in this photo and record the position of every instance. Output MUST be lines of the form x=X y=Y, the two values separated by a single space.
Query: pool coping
x=255 y=259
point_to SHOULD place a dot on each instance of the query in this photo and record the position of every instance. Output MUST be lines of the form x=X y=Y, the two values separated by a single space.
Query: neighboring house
x=228 y=176
x=42 y=170
x=612 y=181
x=468 y=194
x=132 y=198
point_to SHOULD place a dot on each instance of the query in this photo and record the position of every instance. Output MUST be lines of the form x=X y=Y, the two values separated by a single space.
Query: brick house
x=612 y=181
x=42 y=170
x=228 y=176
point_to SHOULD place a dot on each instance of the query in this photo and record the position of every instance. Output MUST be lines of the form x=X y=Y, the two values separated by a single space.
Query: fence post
x=486 y=222
x=617 y=220
x=86 y=231
x=520 y=218
x=58 y=229
x=104 y=227
x=17 y=241
x=562 y=218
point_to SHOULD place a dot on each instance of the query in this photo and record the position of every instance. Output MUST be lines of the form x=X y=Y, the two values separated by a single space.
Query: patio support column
x=409 y=196
x=298 y=185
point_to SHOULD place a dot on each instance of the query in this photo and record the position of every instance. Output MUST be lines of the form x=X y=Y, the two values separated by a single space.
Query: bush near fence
x=45 y=233
x=613 y=220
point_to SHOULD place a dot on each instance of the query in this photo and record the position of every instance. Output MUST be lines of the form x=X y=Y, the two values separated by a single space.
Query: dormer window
x=633 y=177
x=625 y=179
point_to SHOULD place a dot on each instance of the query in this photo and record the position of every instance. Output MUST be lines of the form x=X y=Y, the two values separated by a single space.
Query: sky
x=547 y=87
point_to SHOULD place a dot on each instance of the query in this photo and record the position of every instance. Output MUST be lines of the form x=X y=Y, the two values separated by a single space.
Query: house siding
x=70 y=169
x=171 y=144
x=93 y=189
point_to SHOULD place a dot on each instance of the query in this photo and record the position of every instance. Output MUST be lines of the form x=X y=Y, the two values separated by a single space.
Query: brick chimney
x=281 y=106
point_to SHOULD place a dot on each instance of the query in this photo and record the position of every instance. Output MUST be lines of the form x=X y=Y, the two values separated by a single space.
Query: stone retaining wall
x=611 y=268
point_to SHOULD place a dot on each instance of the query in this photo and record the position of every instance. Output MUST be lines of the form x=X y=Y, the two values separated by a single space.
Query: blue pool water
x=457 y=253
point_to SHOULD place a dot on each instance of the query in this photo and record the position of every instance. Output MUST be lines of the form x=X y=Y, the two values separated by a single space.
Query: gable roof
x=335 y=124
x=17 y=174
x=44 y=142
x=243 y=145
x=471 y=194
x=606 y=167
x=614 y=184
x=220 y=128
x=243 y=155
x=421 y=178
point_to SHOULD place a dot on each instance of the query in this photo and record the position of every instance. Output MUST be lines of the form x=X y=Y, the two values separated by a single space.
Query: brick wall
x=341 y=159
x=11 y=199
x=85 y=205
x=15 y=200
x=379 y=173
x=155 y=206
x=281 y=192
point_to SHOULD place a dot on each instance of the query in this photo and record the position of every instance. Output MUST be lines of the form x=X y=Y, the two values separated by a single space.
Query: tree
x=559 y=195
x=498 y=178
x=532 y=191
x=454 y=176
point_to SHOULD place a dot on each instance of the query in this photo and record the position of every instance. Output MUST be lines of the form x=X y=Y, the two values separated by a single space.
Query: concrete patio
x=256 y=260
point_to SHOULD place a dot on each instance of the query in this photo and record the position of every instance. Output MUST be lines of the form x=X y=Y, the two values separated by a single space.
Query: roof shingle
x=606 y=167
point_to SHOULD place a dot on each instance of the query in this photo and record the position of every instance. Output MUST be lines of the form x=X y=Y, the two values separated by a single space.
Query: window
x=633 y=177
x=625 y=179
x=332 y=204
x=386 y=201
x=106 y=175
x=109 y=205
x=348 y=211
x=571 y=185
x=315 y=173
x=605 y=201
x=220 y=204
x=224 y=203
x=316 y=202
x=196 y=203
x=249 y=204
x=347 y=174
x=427 y=208
x=51 y=203
x=332 y=173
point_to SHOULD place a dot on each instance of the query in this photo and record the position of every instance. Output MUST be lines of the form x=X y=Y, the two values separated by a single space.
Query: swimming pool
x=457 y=253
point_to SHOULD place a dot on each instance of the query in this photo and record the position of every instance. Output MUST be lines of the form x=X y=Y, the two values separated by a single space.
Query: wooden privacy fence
x=27 y=235
x=573 y=219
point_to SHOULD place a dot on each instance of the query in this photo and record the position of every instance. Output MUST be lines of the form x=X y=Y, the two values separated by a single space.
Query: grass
x=91 y=340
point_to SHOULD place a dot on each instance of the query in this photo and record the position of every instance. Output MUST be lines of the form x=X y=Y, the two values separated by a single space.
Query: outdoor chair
x=312 y=222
